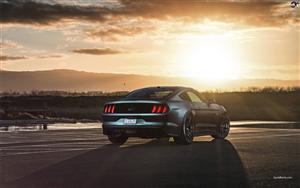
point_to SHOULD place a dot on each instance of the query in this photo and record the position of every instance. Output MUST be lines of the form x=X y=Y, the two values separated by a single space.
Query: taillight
x=154 y=107
x=113 y=109
x=110 y=108
x=160 y=108
x=165 y=109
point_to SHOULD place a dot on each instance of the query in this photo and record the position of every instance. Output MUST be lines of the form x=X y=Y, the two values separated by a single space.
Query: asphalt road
x=250 y=157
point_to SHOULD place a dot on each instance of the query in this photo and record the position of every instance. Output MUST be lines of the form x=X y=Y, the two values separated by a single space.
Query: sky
x=202 y=39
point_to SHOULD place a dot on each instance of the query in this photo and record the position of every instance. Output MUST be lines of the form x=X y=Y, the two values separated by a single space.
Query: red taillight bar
x=109 y=109
x=113 y=109
x=165 y=109
x=154 y=107
x=160 y=108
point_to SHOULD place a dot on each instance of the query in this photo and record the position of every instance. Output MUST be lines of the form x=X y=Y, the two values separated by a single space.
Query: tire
x=223 y=128
x=187 y=134
x=118 y=139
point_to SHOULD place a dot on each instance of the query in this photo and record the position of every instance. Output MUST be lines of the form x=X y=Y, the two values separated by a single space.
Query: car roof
x=176 y=88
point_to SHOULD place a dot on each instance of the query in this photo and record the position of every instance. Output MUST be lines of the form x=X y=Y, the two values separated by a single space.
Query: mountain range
x=71 y=80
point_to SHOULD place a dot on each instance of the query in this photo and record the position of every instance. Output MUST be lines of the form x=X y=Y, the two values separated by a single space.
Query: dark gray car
x=154 y=112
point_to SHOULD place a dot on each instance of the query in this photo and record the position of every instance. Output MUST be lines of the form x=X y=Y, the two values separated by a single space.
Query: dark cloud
x=15 y=58
x=97 y=51
x=12 y=58
x=253 y=12
x=115 y=32
x=33 y=12
x=50 y=56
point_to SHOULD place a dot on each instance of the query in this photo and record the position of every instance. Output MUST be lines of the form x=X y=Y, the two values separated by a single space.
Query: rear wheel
x=118 y=139
x=222 y=129
x=187 y=133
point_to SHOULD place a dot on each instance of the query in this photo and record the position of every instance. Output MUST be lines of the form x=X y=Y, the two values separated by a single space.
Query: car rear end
x=138 y=118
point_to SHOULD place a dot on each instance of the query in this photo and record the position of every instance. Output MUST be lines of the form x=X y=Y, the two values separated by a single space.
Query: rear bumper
x=143 y=131
x=145 y=126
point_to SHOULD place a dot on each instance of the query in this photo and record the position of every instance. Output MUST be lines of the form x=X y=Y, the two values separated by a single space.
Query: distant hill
x=71 y=80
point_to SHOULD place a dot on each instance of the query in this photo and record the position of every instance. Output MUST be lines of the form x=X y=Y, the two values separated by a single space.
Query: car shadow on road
x=156 y=163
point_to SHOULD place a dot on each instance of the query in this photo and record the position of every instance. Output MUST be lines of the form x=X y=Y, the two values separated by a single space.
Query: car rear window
x=150 y=93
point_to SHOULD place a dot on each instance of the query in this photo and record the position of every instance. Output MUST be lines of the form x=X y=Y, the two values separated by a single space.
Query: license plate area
x=129 y=121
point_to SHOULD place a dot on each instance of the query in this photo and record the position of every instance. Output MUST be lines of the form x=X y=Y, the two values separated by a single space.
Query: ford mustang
x=155 y=112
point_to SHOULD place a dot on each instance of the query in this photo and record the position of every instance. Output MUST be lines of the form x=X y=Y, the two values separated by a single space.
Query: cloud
x=7 y=44
x=16 y=58
x=50 y=56
x=33 y=12
x=12 y=58
x=115 y=32
x=255 y=12
x=97 y=51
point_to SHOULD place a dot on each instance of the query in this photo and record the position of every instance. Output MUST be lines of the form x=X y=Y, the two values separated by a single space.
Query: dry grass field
x=262 y=104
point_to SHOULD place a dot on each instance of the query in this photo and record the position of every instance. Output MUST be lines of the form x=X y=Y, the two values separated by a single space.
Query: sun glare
x=209 y=61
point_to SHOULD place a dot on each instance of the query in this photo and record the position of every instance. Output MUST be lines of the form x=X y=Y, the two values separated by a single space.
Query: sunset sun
x=209 y=62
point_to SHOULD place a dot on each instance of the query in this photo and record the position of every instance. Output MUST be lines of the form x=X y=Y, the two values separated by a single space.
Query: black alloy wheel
x=222 y=129
x=118 y=138
x=187 y=133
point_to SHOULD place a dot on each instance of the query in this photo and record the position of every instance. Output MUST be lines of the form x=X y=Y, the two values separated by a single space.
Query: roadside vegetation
x=269 y=103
